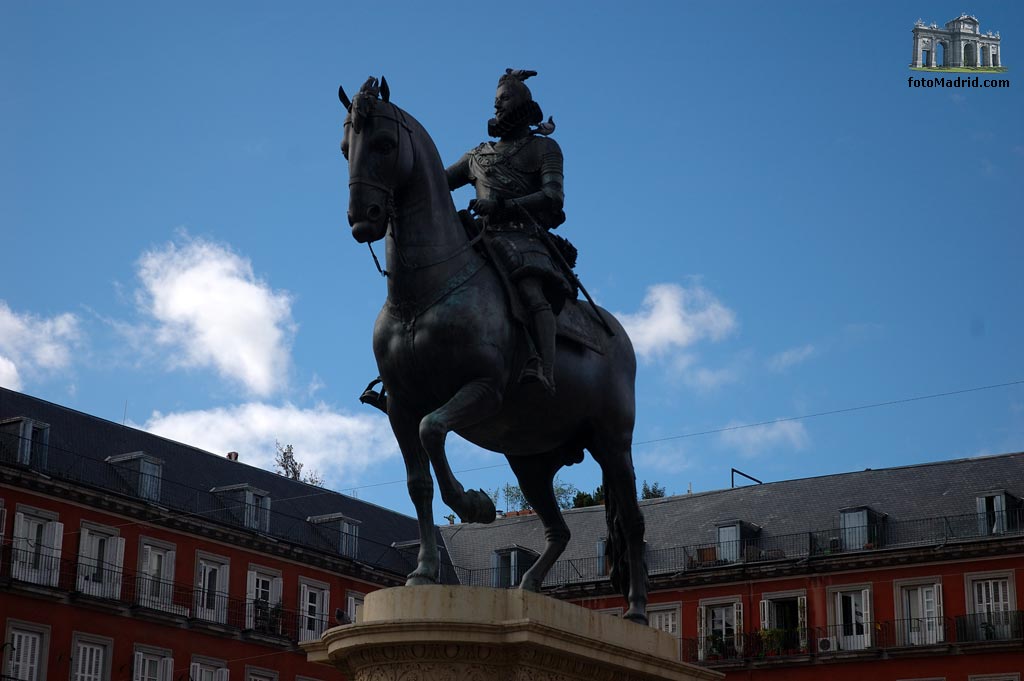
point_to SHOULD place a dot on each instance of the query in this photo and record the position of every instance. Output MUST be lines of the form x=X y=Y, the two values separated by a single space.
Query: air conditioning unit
x=827 y=644
x=834 y=544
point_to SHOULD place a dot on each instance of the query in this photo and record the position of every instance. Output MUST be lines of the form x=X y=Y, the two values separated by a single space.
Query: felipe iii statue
x=519 y=197
x=518 y=182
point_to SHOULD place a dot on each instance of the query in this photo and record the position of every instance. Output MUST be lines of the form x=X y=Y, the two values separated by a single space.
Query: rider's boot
x=544 y=339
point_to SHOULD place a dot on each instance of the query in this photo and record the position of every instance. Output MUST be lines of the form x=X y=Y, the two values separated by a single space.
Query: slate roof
x=79 y=443
x=946 y=488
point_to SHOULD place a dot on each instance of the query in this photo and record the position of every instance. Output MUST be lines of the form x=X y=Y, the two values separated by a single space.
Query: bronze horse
x=447 y=351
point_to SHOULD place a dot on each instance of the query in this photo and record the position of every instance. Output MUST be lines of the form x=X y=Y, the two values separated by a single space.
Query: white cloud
x=673 y=317
x=212 y=311
x=33 y=344
x=9 y=377
x=666 y=458
x=789 y=358
x=335 y=444
x=756 y=440
x=710 y=379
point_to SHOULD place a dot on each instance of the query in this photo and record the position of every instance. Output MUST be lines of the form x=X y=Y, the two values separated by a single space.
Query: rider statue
x=519 y=195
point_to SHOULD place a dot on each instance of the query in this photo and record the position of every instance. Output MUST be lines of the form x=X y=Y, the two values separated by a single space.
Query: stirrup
x=374 y=398
x=534 y=373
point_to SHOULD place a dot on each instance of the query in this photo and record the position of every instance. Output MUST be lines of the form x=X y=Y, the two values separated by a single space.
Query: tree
x=515 y=500
x=584 y=499
x=652 y=491
x=290 y=467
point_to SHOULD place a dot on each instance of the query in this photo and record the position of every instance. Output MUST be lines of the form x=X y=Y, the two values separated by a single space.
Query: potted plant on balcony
x=771 y=641
x=716 y=647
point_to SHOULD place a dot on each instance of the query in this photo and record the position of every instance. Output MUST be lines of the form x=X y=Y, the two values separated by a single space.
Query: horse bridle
x=389 y=208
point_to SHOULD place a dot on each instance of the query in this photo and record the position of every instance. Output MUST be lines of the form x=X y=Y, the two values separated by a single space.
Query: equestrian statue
x=481 y=319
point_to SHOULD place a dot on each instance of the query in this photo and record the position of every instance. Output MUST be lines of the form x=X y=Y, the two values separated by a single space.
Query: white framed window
x=783 y=617
x=263 y=612
x=919 y=617
x=992 y=514
x=729 y=543
x=155 y=586
x=26 y=651
x=152 y=664
x=259 y=674
x=314 y=602
x=349 y=542
x=347 y=532
x=614 y=612
x=90 y=658
x=1011 y=676
x=720 y=628
x=24 y=441
x=36 y=550
x=257 y=510
x=208 y=669
x=850 y=622
x=100 y=561
x=853 y=528
x=663 y=617
x=3 y=519
x=211 y=602
x=991 y=602
x=509 y=565
x=142 y=472
x=246 y=504
x=353 y=604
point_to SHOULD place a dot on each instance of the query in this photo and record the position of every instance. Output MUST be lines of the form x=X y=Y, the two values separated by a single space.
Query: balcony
x=921 y=636
x=149 y=598
x=1007 y=625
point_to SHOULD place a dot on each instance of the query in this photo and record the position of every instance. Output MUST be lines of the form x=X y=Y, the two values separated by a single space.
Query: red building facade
x=126 y=557
x=911 y=573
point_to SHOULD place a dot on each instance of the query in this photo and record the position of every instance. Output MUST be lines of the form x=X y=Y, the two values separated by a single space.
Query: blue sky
x=785 y=225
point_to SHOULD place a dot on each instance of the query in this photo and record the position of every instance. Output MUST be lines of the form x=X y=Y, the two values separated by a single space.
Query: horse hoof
x=638 y=617
x=530 y=585
x=419 y=580
x=479 y=507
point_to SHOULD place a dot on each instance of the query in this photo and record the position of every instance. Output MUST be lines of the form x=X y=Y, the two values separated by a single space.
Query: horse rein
x=389 y=208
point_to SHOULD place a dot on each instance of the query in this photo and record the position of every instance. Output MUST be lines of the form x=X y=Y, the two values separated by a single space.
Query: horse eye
x=384 y=147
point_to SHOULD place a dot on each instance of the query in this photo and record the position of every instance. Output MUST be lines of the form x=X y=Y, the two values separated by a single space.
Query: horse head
x=379 y=149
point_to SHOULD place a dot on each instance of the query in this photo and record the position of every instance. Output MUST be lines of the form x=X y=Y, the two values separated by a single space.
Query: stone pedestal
x=456 y=633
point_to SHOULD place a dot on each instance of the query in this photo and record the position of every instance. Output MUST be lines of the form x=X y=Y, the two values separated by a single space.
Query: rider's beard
x=521 y=117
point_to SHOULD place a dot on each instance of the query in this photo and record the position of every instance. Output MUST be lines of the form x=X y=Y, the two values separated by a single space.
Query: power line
x=726 y=429
x=844 y=410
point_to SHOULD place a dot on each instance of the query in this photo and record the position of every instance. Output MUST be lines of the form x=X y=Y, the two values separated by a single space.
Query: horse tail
x=617 y=543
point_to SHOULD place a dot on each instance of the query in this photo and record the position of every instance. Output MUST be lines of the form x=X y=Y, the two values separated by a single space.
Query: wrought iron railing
x=186 y=501
x=145 y=593
x=1006 y=625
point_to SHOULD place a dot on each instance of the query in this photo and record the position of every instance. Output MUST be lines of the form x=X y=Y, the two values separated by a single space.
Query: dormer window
x=249 y=504
x=997 y=512
x=733 y=536
x=860 y=528
x=25 y=441
x=508 y=566
x=345 y=529
x=141 y=472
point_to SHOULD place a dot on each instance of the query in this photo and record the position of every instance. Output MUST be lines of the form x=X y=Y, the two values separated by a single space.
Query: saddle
x=576 y=322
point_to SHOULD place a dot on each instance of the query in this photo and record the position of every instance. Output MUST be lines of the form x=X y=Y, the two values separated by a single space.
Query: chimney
x=232 y=456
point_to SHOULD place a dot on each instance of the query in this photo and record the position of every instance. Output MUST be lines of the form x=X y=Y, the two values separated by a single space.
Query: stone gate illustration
x=960 y=44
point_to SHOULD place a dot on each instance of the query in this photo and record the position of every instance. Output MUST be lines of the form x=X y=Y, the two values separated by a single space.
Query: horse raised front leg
x=473 y=402
x=536 y=475
x=421 y=491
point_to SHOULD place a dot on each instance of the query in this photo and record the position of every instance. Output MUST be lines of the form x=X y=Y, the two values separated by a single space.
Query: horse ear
x=344 y=98
x=385 y=91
